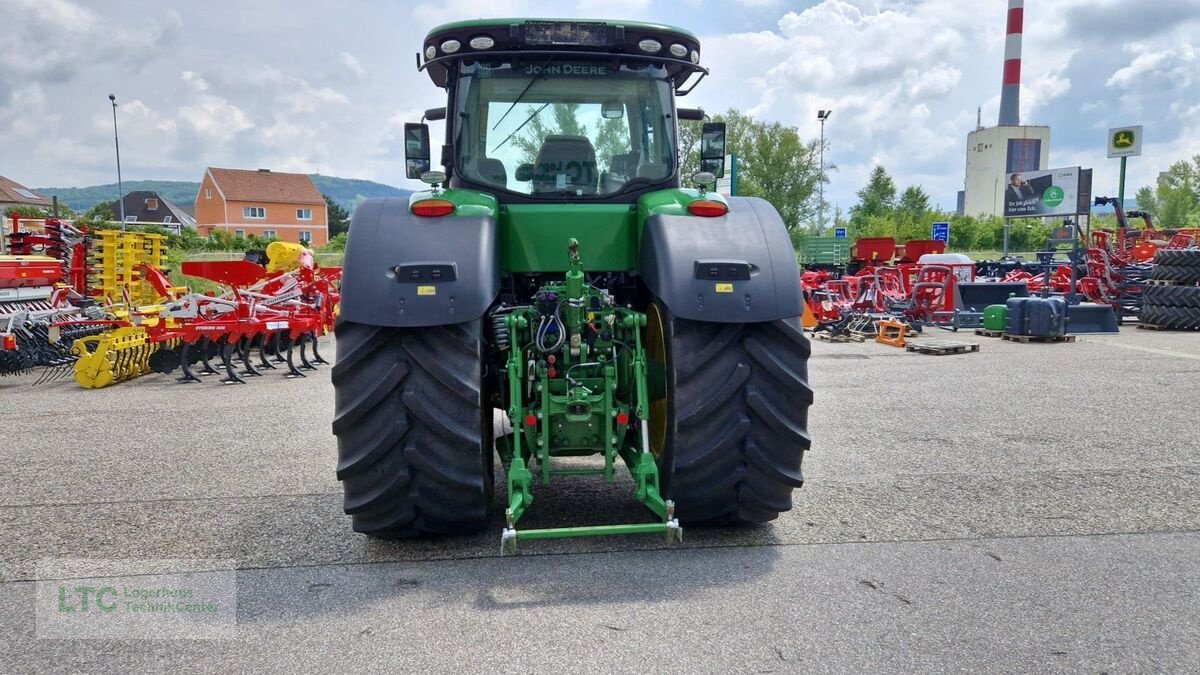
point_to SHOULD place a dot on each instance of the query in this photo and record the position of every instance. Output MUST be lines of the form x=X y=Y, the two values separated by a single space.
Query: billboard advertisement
x=1054 y=192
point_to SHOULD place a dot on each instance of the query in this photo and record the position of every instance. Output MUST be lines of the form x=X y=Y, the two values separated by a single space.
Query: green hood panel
x=533 y=237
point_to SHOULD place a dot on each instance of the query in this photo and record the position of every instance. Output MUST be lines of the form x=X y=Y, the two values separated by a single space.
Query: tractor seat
x=565 y=163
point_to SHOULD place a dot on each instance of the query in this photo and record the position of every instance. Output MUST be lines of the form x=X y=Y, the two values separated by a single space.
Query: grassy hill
x=345 y=191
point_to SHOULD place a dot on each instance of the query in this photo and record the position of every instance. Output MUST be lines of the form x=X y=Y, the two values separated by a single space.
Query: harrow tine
x=244 y=354
x=186 y=362
x=206 y=353
x=304 y=362
x=317 y=358
x=279 y=347
x=227 y=350
x=262 y=353
x=119 y=364
x=292 y=371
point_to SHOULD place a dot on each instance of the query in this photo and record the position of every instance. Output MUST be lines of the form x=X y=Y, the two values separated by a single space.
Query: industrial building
x=994 y=154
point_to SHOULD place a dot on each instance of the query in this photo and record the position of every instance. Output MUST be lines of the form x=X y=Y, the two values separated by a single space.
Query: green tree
x=914 y=203
x=187 y=240
x=689 y=148
x=1175 y=200
x=612 y=135
x=875 y=199
x=612 y=139
x=26 y=211
x=562 y=120
x=336 y=243
x=773 y=163
x=100 y=213
x=339 y=219
x=224 y=240
x=1146 y=199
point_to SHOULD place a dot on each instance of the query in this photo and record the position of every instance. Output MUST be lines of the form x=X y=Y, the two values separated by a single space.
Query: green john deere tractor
x=559 y=272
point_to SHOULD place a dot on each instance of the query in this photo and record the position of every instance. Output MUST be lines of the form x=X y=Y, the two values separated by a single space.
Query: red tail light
x=10 y=342
x=433 y=207
x=707 y=208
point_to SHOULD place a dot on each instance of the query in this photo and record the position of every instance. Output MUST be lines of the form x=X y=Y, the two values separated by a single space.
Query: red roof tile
x=263 y=185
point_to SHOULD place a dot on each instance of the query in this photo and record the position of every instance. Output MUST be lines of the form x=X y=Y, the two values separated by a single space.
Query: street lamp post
x=117 y=142
x=822 y=115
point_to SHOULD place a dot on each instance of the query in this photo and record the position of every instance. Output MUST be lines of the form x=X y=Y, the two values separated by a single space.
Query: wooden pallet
x=1151 y=326
x=989 y=333
x=1026 y=339
x=941 y=347
x=836 y=339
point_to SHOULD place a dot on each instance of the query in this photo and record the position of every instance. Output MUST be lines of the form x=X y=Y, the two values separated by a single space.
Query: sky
x=326 y=87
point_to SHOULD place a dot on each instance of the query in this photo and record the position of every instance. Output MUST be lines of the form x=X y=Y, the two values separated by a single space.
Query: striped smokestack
x=1010 y=94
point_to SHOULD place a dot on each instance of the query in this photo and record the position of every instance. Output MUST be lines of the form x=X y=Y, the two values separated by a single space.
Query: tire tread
x=409 y=421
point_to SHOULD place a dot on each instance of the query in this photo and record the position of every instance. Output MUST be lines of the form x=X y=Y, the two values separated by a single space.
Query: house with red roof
x=283 y=206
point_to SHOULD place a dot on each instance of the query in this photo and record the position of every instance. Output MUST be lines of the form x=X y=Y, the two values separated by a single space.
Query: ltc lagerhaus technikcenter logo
x=136 y=599
x=110 y=599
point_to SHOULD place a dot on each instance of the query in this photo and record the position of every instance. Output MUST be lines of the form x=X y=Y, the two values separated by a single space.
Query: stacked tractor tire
x=1172 y=300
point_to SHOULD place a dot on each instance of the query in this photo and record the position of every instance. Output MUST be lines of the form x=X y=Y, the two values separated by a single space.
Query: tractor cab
x=545 y=111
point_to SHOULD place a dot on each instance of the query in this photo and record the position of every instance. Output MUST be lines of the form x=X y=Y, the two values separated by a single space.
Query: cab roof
x=505 y=23
x=676 y=49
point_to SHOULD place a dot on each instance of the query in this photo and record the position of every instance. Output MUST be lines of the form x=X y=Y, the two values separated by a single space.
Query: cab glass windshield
x=556 y=128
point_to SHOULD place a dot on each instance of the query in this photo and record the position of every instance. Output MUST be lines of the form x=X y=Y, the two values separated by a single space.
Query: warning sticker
x=426 y=290
x=724 y=288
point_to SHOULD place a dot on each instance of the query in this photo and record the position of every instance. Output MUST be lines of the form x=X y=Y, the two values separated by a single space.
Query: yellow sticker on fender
x=426 y=290
x=724 y=288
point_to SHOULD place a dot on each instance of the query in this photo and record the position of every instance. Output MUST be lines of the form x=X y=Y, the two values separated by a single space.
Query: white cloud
x=51 y=40
x=600 y=9
x=757 y=4
x=213 y=118
x=1174 y=67
x=430 y=14
x=904 y=78
x=352 y=64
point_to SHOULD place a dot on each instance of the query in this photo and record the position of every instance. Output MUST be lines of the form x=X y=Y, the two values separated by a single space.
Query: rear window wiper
x=540 y=74
x=518 y=129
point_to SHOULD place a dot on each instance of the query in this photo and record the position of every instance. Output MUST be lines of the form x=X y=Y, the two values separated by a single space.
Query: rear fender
x=736 y=268
x=407 y=271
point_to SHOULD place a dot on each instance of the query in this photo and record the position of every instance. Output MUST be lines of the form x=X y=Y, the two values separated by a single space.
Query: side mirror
x=712 y=148
x=525 y=173
x=416 y=149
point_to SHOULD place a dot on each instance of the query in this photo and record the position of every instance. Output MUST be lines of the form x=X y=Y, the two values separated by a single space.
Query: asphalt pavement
x=1023 y=508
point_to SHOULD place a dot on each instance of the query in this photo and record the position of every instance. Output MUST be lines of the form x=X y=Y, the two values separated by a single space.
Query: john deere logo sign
x=1125 y=142
x=1053 y=196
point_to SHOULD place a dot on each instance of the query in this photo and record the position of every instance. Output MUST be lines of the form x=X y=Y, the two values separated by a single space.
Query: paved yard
x=1028 y=507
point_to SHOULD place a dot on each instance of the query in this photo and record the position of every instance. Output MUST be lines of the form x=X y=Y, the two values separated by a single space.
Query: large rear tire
x=734 y=433
x=413 y=429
